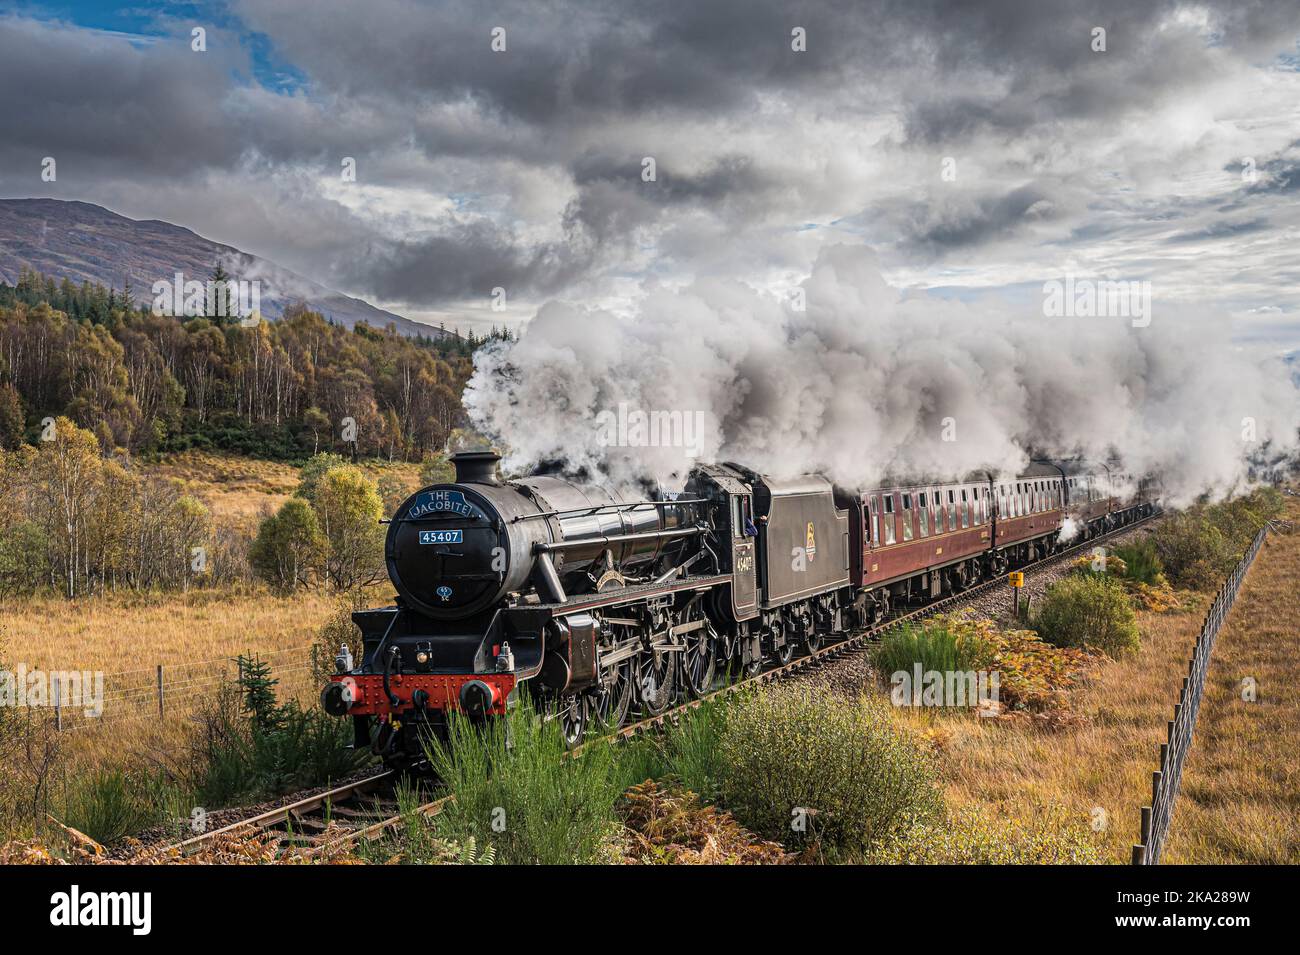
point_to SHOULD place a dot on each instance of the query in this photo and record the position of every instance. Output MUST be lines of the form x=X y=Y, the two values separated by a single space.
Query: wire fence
x=1166 y=781
x=166 y=691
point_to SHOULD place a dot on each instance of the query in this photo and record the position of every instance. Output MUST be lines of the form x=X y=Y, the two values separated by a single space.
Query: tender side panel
x=805 y=547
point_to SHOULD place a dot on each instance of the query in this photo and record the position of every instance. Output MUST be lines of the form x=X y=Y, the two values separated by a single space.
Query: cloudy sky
x=978 y=149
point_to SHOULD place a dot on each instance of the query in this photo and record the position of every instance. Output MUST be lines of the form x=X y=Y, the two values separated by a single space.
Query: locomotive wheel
x=785 y=653
x=656 y=682
x=812 y=640
x=572 y=713
x=699 y=661
x=615 y=701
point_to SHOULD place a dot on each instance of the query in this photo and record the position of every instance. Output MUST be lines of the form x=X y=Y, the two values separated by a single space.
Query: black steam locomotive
x=608 y=607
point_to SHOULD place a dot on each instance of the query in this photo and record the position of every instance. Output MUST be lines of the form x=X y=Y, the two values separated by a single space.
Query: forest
x=93 y=387
x=285 y=389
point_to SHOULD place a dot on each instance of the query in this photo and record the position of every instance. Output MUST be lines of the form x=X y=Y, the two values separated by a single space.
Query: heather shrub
x=969 y=837
x=799 y=765
x=1091 y=611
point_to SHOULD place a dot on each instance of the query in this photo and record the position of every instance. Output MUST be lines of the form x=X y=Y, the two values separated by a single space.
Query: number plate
x=441 y=537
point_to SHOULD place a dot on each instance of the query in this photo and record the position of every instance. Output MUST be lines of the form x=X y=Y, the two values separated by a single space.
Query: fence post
x=58 y=703
x=160 y=691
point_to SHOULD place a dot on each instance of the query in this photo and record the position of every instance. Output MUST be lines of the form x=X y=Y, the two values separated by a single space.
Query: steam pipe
x=542 y=547
x=596 y=509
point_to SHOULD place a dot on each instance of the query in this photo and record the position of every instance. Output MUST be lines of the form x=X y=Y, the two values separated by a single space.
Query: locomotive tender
x=606 y=606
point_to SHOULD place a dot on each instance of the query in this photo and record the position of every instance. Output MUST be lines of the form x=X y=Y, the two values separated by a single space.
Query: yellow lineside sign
x=1017 y=578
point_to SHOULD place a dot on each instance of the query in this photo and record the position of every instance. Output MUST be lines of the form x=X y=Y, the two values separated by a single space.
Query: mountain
x=83 y=241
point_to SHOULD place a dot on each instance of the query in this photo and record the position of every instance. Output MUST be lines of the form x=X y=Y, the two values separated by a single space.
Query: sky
x=977 y=150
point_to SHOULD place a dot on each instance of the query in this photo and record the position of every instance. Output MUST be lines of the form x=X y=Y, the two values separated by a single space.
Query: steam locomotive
x=608 y=606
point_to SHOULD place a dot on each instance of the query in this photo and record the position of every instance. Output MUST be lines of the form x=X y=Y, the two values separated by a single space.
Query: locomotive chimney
x=476 y=467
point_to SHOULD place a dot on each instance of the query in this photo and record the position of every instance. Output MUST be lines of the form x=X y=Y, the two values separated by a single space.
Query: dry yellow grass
x=233 y=487
x=1096 y=762
x=194 y=636
x=127 y=632
x=1240 y=800
x=242 y=489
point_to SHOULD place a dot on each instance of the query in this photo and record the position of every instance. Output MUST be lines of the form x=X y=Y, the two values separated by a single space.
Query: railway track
x=359 y=810
x=366 y=809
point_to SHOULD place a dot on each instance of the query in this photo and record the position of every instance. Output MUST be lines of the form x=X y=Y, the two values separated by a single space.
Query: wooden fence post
x=58 y=702
x=160 y=691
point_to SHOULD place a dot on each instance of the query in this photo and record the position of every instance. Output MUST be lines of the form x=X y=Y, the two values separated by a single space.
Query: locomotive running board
x=612 y=598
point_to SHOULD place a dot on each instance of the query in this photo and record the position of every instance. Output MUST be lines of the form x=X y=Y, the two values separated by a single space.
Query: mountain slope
x=82 y=241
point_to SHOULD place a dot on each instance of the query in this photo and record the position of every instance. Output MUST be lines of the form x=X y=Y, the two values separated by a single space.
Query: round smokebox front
x=445 y=555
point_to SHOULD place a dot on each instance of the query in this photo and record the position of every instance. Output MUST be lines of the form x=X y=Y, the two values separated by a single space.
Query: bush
x=967 y=837
x=1200 y=546
x=108 y=805
x=935 y=645
x=791 y=755
x=1088 y=611
x=1195 y=553
x=692 y=748
x=289 y=547
x=527 y=801
x=1032 y=674
x=252 y=746
x=1141 y=562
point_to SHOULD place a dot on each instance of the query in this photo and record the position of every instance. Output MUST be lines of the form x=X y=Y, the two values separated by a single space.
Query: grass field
x=1240 y=799
x=1238 y=803
x=242 y=489
x=195 y=638
x=1096 y=761
x=120 y=632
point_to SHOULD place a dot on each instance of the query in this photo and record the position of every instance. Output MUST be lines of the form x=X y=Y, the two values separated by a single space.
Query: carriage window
x=875 y=522
x=907 y=517
x=923 y=514
x=965 y=509
x=889 y=519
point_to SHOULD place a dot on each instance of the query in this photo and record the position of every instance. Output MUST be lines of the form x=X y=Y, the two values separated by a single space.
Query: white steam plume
x=866 y=382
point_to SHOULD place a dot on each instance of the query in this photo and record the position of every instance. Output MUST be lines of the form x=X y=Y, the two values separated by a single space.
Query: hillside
x=88 y=243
